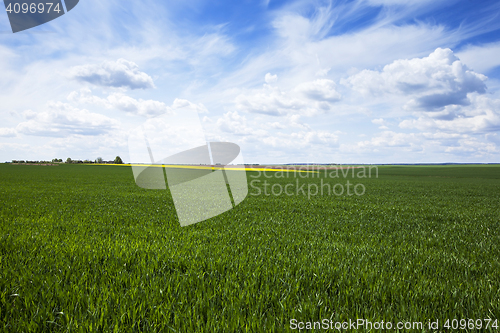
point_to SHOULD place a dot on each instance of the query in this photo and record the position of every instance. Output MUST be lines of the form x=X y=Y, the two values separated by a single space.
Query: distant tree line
x=98 y=160
x=30 y=162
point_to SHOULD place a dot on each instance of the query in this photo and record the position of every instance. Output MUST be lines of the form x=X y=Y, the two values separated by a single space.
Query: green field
x=82 y=248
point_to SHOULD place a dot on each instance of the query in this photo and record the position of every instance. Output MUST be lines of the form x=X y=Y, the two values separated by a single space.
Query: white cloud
x=310 y=140
x=408 y=141
x=323 y=71
x=17 y=150
x=85 y=96
x=7 y=57
x=213 y=44
x=318 y=137
x=260 y=137
x=493 y=137
x=472 y=146
x=118 y=74
x=319 y=90
x=183 y=103
x=233 y=122
x=481 y=58
x=60 y=120
x=270 y=78
x=362 y=49
x=339 y=54
x=277 y=125
x=481 y=116
x=120 y=101
x=308 y=98
x=8 y=132
x=148 y=108
x=297 y=28
x=270 y=101
x=381 y=122
x=431 y=82
x=265 y=137
x=29 y=114
x=291 y=121
x=424 y=147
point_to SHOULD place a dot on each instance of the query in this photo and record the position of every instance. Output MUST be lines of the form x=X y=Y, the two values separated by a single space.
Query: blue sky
x=361 y=81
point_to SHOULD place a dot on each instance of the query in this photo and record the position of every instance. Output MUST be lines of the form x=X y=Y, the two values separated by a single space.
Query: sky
x=361 y=81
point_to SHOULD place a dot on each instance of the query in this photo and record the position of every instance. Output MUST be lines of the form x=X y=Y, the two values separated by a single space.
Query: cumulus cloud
x=319 y=90
x=472 y=146
x=385 y=141
x=119 y=101
x=183 y=103
x=8 y=132
x=309 y=140
x=123 y=102
x=118 y=74
x=430 y=83
x=85 y=96
x=381 y=122
x=287 y=135
x=481 y=116
x=424 y=143
x=61 y=119
x=308 y=98
x=318 y=137
x=390 y=139
x=291 y=121
x=233 y=122
x=270 y=78
x=270 y=101
x=148 y=108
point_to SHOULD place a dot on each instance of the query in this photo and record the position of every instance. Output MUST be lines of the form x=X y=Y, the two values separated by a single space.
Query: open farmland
x=83 y=248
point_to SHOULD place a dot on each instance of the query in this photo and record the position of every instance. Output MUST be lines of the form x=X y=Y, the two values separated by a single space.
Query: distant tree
x=98 y=160
x=118 y=160
x=68 y=160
